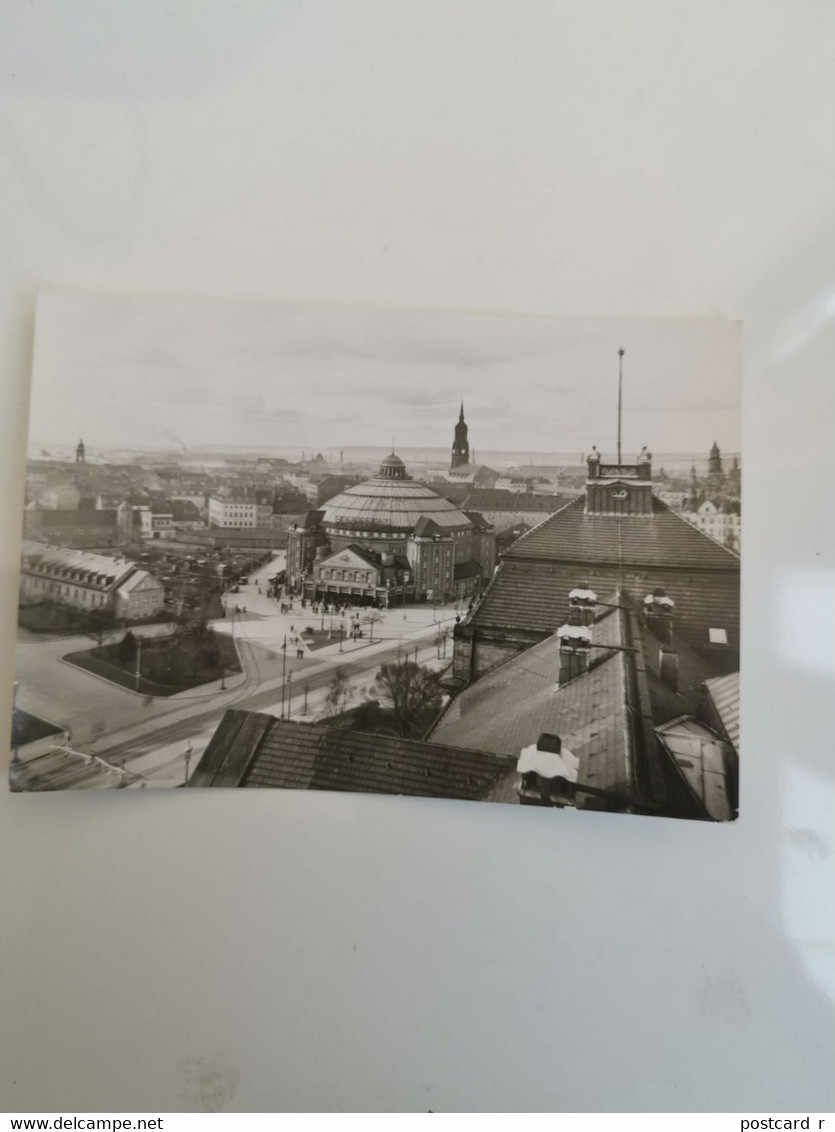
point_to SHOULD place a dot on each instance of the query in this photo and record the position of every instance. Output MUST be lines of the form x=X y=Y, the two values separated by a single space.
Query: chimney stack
x=575 y=644
x=548 y=773
x=582 y=605
x=658 y=614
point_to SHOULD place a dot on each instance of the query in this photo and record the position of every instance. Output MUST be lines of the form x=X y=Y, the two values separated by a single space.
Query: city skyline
x=150 y=373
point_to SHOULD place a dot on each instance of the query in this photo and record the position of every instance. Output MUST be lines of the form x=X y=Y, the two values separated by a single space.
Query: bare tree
x=339 y=694
x=413 y=694
x=372 y=618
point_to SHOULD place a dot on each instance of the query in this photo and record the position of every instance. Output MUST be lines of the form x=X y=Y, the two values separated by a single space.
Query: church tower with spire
x=80 y=457
x=460 y=444
x=714 y=461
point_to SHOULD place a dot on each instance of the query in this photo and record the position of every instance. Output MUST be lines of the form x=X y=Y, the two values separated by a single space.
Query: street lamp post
x=289 y=695
x=304 y=709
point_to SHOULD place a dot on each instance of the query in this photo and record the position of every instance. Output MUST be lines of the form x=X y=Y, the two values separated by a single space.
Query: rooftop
x=662 y=538
x=391 y=500
x=530 y=589
x=498 y=499
x=83 y=564
x=606 y=716
x=252 y=749
x=509 y=708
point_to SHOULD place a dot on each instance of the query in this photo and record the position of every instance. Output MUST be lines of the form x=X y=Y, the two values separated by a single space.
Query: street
x=146 y=741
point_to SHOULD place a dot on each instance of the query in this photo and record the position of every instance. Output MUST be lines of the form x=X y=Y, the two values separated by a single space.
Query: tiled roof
x=533 y=595
x=255 y=750
x=606 y=717
x=510 y=707
x=724 y=692
x=662 y=539
x=391 y=503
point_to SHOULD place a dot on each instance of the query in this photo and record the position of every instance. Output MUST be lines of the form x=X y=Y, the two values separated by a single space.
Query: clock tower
x=460 y=444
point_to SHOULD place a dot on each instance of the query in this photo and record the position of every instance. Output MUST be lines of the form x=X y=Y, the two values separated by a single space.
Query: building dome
x=392 y=468
x=390 y=501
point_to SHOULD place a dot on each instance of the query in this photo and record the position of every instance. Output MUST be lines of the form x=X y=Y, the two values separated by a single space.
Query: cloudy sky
x=157 y=373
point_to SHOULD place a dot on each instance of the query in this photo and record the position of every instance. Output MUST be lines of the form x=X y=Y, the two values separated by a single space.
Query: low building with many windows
x=88 y=583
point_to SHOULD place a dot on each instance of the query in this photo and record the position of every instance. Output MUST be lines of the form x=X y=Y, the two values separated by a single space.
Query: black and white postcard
x=470 y=556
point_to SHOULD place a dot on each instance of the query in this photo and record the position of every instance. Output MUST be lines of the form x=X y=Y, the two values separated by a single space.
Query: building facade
x=89 y=583
x=241 y=508
x=421 y=546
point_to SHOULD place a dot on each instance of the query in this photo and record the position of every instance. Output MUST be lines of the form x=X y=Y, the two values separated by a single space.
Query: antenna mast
x=621 y=352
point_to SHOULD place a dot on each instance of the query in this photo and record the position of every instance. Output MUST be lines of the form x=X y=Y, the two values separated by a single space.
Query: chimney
x=658 y=614
x=575 y=644
x=582 y=605
x=548 y=773
x=668 y=667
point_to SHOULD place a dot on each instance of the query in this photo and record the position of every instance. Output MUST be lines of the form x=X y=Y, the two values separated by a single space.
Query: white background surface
x=261 y=951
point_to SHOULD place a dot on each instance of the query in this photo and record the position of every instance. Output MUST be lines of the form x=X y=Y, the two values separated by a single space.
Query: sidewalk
x=166 y=766
x=213 y=701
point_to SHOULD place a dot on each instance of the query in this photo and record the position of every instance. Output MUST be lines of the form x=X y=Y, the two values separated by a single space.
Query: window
x=718 y=636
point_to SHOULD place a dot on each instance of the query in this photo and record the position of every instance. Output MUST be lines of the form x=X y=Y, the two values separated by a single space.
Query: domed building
x=387 y=541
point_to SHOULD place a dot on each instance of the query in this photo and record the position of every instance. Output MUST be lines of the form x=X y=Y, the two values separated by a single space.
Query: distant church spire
x=80 y=456
x=714 y=461
x=460 y=444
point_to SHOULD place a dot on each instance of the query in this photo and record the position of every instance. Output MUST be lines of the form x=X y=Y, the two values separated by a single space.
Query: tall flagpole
x=621 y=352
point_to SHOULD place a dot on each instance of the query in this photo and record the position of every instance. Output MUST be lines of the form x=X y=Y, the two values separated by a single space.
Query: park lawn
x=169 y=664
